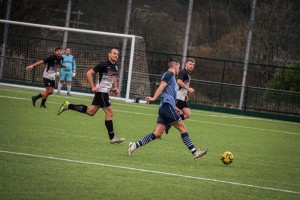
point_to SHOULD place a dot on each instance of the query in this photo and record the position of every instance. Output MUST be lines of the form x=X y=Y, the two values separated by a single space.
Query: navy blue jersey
x=107 y=74
x=169 y=93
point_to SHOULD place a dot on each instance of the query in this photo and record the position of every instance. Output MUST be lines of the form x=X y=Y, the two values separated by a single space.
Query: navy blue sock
x=188 y=142
x=146 y=139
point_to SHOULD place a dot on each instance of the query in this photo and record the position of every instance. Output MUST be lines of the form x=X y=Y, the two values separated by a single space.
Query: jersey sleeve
x=167 y=77
x=99 y=68
x=74 y=64
x=181 y=75
x=47 y=60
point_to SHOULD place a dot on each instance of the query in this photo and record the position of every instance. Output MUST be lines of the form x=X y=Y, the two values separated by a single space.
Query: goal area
x=26 y=43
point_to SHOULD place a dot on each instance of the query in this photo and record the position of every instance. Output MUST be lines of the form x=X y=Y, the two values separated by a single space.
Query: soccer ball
x=227 y=157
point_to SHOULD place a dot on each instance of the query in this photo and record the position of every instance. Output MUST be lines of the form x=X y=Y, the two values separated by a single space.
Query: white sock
x=69 y=88
x=59 y=87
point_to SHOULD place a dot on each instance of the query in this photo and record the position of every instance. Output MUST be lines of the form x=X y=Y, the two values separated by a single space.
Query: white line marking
x=237 y=126
x=137 y=113
x=149 y=171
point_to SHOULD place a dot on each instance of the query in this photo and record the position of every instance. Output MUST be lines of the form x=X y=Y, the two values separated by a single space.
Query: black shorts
x=181 y=104
x=101 y=99
x=49 y=83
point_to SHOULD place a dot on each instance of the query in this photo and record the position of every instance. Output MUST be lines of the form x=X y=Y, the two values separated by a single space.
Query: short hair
x=109 y=51
x=190 y=60
x=58 y=48
x=67 y=48
x=172 y=62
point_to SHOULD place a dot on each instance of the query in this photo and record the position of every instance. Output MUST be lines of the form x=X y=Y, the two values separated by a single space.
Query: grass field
x=43 y=156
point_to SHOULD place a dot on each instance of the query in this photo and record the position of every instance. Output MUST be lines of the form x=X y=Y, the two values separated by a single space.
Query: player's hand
x=57 y=74
x=187 y=98
x=179 y=111
x=73 y=74
x=191 y=90
x=149 y=99
x=29 y=67
x=95 y=89
x=116 y=90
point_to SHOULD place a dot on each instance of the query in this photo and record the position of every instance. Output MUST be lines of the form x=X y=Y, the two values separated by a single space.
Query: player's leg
x=109 y=120
x=180 y=126
x=186 y=113
x=49 y=88
x=91 y=110
x=68 y=83
x=61 y=80
x=159 y=130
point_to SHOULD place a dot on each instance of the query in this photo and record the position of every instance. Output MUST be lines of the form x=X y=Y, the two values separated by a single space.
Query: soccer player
x=107 y=80
x=66 y=74
x=167 y=112
x=53 y=63
x=183 y=81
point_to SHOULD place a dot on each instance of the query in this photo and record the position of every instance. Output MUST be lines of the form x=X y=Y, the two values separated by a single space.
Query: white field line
x=195 y=112
x=149 y=171
x=199 y=121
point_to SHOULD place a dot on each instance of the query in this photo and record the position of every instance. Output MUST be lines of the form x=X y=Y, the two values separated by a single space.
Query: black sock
x=43 y=102
x=79 y=108
x=38 y=96
x=110 y=128
x=182 y=116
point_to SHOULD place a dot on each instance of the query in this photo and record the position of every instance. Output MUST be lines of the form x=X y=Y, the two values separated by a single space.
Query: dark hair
x=172 y=61
x=58 y=48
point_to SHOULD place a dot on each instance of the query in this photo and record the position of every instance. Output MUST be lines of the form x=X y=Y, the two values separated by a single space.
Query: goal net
x=26 y=43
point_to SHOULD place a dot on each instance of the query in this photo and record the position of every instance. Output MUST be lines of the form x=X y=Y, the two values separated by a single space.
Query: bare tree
x=276 y=32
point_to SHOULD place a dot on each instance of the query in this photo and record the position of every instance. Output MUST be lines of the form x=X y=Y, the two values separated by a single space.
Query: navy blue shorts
x=101 y=99
x=167 y=115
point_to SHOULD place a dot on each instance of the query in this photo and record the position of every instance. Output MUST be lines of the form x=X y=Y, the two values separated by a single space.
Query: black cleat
x=33 y=100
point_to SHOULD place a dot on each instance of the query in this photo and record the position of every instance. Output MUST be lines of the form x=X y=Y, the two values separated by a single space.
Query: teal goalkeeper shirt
x=69 y=61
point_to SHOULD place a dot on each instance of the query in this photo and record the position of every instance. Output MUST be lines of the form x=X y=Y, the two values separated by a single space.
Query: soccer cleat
x=132 y=147
x=33 y=100
x=117 y=139
x=69 y=94
x=43 y=106
x=198 y=154
x=63 y=107
x=168 y=128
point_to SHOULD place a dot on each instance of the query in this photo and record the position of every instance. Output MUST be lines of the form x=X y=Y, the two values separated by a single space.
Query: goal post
x=28 y=43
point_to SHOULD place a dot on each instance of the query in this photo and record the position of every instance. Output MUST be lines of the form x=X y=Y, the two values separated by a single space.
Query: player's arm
x=35 y=64
x=89 y=75
x=73 y=68
x=115 y=85
x=158 y=91
x=182 y=85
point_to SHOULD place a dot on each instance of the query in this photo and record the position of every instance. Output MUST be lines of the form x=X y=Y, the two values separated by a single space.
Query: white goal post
x=28 y=42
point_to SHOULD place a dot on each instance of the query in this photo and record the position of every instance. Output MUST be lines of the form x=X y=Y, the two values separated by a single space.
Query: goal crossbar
x=124 y=36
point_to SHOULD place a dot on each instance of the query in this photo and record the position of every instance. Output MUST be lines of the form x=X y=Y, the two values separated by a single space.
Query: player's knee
x=109 y=115
x=49 y=91
x=187 y=116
